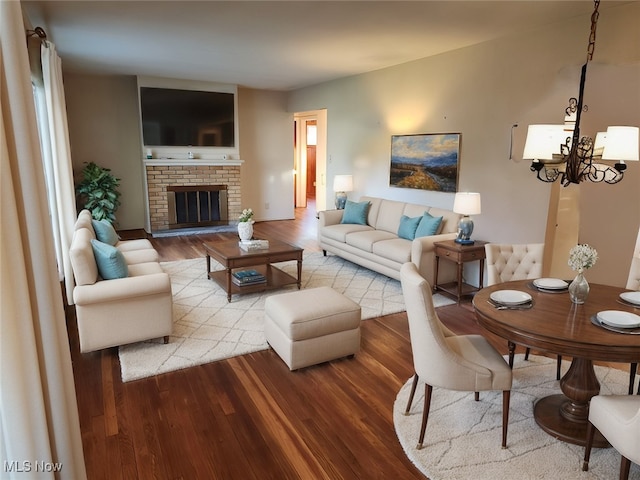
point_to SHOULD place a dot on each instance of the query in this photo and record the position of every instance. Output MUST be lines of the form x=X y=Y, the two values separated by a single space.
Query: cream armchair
x=617 y=417
x=446 y=360
x=122 y=310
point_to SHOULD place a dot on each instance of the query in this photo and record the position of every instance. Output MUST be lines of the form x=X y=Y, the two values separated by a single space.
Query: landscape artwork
x=425 y=161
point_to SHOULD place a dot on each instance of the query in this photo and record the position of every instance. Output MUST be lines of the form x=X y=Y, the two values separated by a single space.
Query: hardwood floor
x=249 y=416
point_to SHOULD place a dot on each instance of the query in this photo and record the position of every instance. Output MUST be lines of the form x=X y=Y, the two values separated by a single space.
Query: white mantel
x=154 y=162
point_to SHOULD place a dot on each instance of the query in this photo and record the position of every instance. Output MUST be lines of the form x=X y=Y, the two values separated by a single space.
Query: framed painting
x=426 y=161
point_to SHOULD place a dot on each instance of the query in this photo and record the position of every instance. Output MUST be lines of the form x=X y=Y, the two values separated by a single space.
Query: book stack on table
x=247 y=277
x=250 y=245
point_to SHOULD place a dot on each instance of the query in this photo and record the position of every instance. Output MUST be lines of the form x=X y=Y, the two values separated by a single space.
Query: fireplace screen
x=197 y=205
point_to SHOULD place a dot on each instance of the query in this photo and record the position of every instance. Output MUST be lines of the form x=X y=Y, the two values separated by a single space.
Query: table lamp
x=466 y=203
x=341 y=185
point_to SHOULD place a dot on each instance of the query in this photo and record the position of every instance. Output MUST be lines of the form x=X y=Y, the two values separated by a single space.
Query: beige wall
x=266 y=146
x=481 y=92
x=104 y=128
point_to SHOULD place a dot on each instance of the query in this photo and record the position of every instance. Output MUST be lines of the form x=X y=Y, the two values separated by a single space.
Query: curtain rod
x=37 y=32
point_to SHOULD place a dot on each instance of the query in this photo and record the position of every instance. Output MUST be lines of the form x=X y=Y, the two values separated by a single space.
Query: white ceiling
x=277 y=45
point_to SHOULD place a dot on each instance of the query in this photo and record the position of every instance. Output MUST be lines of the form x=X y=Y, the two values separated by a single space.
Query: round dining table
x=555 y=324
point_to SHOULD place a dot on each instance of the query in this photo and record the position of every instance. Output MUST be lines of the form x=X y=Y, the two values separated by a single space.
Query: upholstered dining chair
x=445 y=360
x=617 y=417
x=633 y=283
x=507 y=262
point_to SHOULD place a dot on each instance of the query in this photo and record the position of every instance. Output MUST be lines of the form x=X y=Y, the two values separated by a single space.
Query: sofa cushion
x=140 y=256
x=449 y=222
x=365 y=240
x=83 y=263
x=389 y=215
x=105 y=232
x=147 y=268
x=398 y=250
x=110 y=260
x=408 y=226
x=429 y=225
x=85 y=221
x=340 y=231
x=355 y=212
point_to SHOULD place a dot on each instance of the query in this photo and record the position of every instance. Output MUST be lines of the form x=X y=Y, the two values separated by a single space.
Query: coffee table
x=229 y=254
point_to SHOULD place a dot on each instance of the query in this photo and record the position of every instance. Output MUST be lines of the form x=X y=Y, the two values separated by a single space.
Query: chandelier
x=558 y=151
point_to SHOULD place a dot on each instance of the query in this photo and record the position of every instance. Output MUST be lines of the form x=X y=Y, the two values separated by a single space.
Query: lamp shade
x=343 y=183
x=467 y=203
x=621 y=143
x=543 y=141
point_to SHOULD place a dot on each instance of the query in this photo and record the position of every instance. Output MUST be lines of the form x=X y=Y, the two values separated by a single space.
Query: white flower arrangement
x=582 y=257
x=246 y=215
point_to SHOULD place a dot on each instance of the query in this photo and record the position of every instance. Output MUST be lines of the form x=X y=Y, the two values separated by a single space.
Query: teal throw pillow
x=355 y=212
x=408 y=226
x=110 y=261
x=428 y=225
x=105 y=232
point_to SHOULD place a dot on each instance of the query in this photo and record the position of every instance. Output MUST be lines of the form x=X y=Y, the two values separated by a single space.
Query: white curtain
x=56 y=154
x=38 y=411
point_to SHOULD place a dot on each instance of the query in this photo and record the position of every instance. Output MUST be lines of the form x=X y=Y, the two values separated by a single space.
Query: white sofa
x=120 y=310
x=377 y=245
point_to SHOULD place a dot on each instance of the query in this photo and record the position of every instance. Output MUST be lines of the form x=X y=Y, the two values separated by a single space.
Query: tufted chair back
x=633 y=282
x=506 y=262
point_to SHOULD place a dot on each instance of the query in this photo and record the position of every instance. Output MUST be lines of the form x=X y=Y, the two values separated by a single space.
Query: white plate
x=510 y=297
x=550 y=283
x=620 y=319
x=631 y=297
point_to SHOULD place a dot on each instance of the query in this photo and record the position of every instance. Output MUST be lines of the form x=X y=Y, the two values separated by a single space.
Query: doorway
x=310 y=159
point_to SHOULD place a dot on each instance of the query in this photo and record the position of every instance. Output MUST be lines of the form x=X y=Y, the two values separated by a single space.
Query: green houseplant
x=98 y=192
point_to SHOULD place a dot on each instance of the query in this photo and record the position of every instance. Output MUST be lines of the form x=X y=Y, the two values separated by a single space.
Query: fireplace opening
x=195 y=206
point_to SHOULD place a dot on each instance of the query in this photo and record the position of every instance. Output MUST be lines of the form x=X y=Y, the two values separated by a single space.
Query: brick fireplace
x=161 y=175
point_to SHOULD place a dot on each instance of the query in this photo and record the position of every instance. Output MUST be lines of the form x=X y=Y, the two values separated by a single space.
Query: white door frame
x=300 y=158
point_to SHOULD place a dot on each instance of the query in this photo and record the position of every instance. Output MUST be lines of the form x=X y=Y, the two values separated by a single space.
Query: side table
x=459 y=253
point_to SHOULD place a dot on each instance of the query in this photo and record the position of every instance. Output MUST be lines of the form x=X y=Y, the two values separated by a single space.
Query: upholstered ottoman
x=307 y=327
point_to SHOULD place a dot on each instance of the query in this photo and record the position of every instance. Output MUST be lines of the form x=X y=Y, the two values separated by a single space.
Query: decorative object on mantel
x=557 y=151
x=245 y=224
x=341 y=185
x=581 y=258
x=466 y=203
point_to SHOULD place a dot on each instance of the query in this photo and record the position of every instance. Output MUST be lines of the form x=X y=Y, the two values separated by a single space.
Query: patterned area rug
x=463 y=436
x=208 y=328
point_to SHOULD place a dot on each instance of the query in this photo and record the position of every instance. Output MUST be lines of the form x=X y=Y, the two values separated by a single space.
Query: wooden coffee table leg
x=228 y=285
x=208 y=265
x=299 y=274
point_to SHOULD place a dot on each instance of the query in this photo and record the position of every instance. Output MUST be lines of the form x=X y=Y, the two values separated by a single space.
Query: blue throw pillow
x=110 y=261
x=428 y=225
x=105 y=232
x=408 y=226
x=355 y=212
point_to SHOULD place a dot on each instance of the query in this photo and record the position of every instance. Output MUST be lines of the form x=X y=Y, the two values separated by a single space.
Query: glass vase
x=579 y=289
x=245 y=230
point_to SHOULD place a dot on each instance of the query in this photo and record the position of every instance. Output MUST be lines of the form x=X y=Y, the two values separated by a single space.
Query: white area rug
x=208 y=328
x=463 y=436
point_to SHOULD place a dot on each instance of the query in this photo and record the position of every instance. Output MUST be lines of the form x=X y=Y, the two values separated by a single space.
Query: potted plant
x=98 y=192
